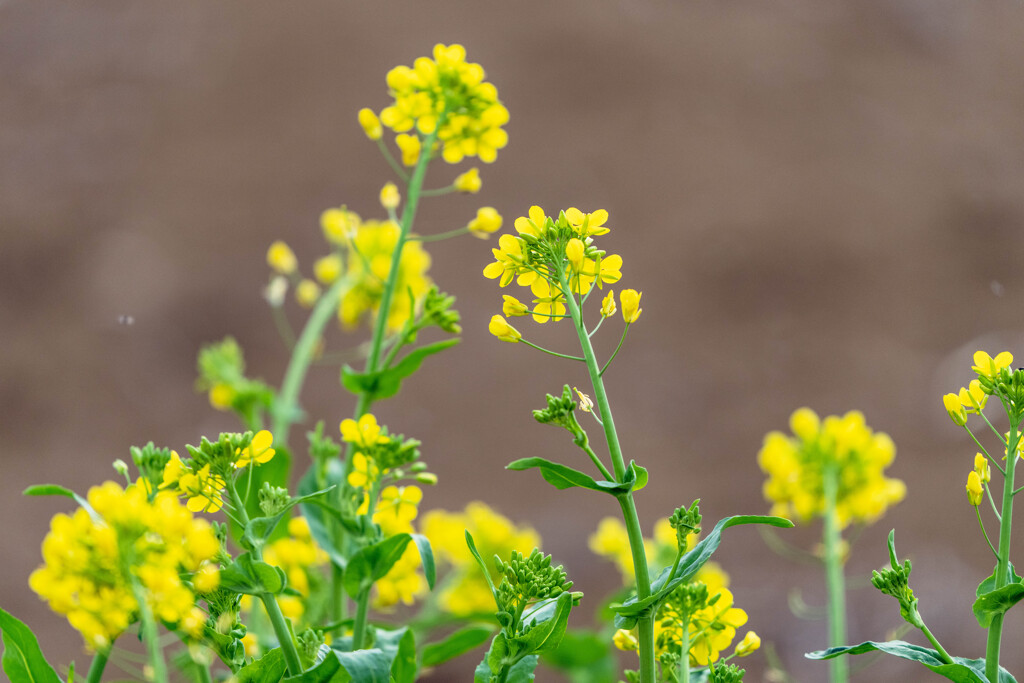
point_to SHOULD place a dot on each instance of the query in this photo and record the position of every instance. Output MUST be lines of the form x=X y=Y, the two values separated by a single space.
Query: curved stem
x=834 y=579
x=441 y=235
x=553 y=353
x=938 y=646
x=985 y=533
x=616 y=352
x=99 y=663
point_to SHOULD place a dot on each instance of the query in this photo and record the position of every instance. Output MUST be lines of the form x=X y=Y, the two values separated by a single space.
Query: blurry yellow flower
x=339 y=225
x=403 y=582
x=364 y=472
x=500 y=328
x=207 y=578
x=625 y=640
x=974 y=489
x=370 y=123
x=989 y=367
x=751 y=642
x=397 y=508
x=608 y=307
x=487 y=222
x=281 y=258
x=258 y=451
x=328 y=268
x=221 y=395
x=468 y=182
x=513 y=307
x=410 y=146
x=389 y=196
x=631 y=310
x=307 y=293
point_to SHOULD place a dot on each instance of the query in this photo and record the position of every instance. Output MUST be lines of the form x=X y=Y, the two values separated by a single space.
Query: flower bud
x=275 y=291
x=974 y=489
x=625 y=640
x=748 y=645
x=574 y=252
x=500 y=328
x=631 y=310
x=487 y=222
x=513 y=307
x=370 y=123
x=956 y=410
x=306 y=293
x=469 y=182
x=982 y=467
x=328 y=268
x=121 y=467
x=390 y=197
x=281 y=258
x=410 y=146
x=428 y=478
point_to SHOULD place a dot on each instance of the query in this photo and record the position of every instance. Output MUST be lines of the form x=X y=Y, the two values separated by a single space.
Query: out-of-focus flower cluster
x=98 y=563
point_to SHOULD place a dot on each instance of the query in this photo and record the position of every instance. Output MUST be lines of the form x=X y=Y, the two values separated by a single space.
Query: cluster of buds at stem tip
x=686 y=522
x=726 y=673
x=894 y=581
x=273 y=499
x=560 y=412
x=525 y=579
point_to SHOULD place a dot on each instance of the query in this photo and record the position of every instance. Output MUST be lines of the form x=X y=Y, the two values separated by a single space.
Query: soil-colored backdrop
x=821 y=201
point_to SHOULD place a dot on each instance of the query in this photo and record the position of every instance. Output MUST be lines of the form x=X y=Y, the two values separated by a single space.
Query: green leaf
x=55 y=490
x=328 y=670
x=690 y=564
x=961 y=670
x=318 y=513
x=403 y=666
x=259 y=529
x=989 y=584
x=994 y=603
x=547 y=635
x=521 y=672
x=386 y=383
x=366 y=666
x=372 y=562
x=427 y=557
x=252 y=577
x=585 y=657
x=458 y=643
x=641 y=475
x=483 y=567
x=22 y=659
x=564 y=477
x=269 y=668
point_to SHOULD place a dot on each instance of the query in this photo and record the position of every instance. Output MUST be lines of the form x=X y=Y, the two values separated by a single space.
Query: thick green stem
x=684 y=655
x=286 y=407
x=834 y=579
x=995 y=631
x=645 y=625
x=99 y=663
x=150 y=635
x=337 y=593
x=359 y=625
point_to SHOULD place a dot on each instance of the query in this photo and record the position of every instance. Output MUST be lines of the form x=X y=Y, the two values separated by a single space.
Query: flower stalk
x=834 y=579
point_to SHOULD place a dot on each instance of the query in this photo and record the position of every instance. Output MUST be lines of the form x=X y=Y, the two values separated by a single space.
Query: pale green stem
x=552 y=353
x=203 y=671
x=150 y=635
x=337 y=593
x=441 y=235
x=983 y=450
x=99 y=663
x=359 y=625
x=684 y=657
x=645 y=625
x=286 y=405
x=938 y=647
x=984 y=533
x=616 y=352
x=834 y=579
x=995 y=630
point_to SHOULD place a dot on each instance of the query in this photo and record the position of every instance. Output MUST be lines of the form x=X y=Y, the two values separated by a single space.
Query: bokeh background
x=820 y=199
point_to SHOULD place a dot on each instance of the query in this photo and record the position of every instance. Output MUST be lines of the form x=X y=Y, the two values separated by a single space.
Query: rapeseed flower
x=390 y=197
x=513 y=307
x=258 y=451
x=468 y=182
x=487 y=222
x=974 y=489
x=631 y=310
x=500 y=328
x=370 y=123
x=989 y=367
x=281 y=258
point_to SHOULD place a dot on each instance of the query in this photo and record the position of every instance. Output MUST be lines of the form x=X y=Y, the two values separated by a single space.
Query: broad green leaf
x=252 y=577
x=259 y=529
x=328 y=670
x=961 y=670
x=427 y=557
x=386 y=383
x=989 y=584
x=366 y=666
x=22 y=660
x=564 y=477
x=269 y=668
x=403 y=666
x=994 y=603
x=318 y=513
x=690 y=564
x=586 y=657
x=458 y=643
x=521 y=672
x=372 y=562
x=547 y=635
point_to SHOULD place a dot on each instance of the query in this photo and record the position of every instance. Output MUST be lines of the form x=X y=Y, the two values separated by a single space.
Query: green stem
x=399 y=171
x=441 y=235
x=684 y=655
x=645 y=625
x=337 y=594
x=99 y=663
x=834 y=578
x=984 y=533
x=281 y=630
x=150 y=635
x=597 y=461
x=203 y=671
x=983 y=450
x=552 y=353
x=995 y=630
x=616 y=352
x=938 y=646
x=286 y=406
x=359 y=625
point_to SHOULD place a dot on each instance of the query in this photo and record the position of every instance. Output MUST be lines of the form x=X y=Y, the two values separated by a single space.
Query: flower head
x=631 y=310
x=974 y=489
x=260 y=450
x=989 y=367
x=487 y=222
x=281 y=258
x=500 y=328
x=468 y=182
x=370 y=123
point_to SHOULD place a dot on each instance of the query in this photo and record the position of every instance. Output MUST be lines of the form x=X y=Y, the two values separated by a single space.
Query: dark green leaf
x=961 y=670
x=690 y=564
x=548 y=634
x=328 y=670
x=994 y=603
x=403 y=666
x=55 y=490
x=458 y=643
x=989 y=584
x=558 y=475
x=323 y=525
x=586 y=657
x=269 y=668
x=372 y=562
x=259 y=529
x=521 y=672
x=252 y=577
x=366 y=666
x=22 y=660
x=386 y=383
x=427 y=557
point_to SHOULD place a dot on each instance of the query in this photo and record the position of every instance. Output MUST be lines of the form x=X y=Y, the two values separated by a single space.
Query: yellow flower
x=631 y=310
x=468 y=182
x=258 y=451
x=608 y=307
x=982 y=467
x=207 y=578
x=221 y=396
x=281 y=258
x=955 y=408
x=513 y=307
x=389 y=196
x=500 y=328
x=403 y=582
x=605 y=270
x=574 y=252
x=973 y=397
x=989 y=367
x=204 y=490
x=751 y=642
x=339 y=225
x=173 y=471
x=509 y=259
x=585 y=224
x=410 y=146
x=328 y=268
x=307 y=293
x=713 y=628
x=550 y=302
x=370 y=123
x=974 y=489
x=365 y=433
x=535 y=224
x=364 y=471
x=487 y=221
x=397 y=508
x=625 y=640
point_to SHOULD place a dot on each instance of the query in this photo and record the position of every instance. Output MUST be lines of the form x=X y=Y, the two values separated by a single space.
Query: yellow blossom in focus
x=258 y=451
x=607 y=270
x=281 y=258
x=974 y=489
x=989 y=367
x=973 y=397
x=500 y=328
x=370 y=123
x=468 y=182
x=955 y=408
x=713 y=629
x=534 y=224
x=307 y=293
x=982 y=467
x=750 y=643
x=631 y=310
x=513 y=307
x=410 y=146
x=364 y=433
x=487 y=222
x=508 y=262
x=574 y=252
x=389 y=196
x=203 y=490
x=608 y=307
x=586 y=224
x=549 y=303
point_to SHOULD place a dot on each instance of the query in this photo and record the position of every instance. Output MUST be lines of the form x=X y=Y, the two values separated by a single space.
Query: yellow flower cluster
x=466 y=592
x=711 y=628
x=972 y=398
x=397 y=508
x=446 y=95
x=300 y=558
x=96 y=565
x=796 y=467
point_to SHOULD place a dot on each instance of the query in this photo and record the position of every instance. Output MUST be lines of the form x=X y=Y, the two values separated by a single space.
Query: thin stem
x=984 y=533
x=834 y=578
x=553 y=353
x=983 y=450
x=621 y=339
x=438 y=192
x=99 y=663
x=995 y=630
x=990 y=425
x=597 y=461
x=992 y=502
x=938 y=647
x=284 y=329
x=399 y=171
x=150 y=635
x=441 y=235
x=286 y=406
x=596 y=327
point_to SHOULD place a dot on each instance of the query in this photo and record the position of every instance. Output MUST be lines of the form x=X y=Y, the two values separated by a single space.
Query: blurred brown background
x=821 y=201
